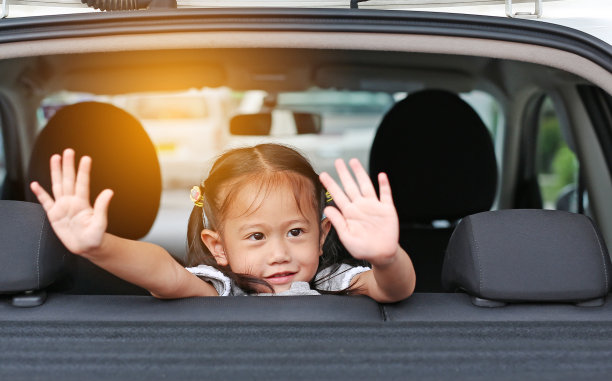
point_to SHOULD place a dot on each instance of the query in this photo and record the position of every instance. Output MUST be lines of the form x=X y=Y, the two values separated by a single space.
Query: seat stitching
x=602 y=255
x=476 y=250
x=38 y=251
x=384 y=313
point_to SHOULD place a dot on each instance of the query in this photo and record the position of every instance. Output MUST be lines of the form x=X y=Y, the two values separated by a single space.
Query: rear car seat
x=124 y=160
x=528 y=255
x=440 y=160
x=32 y=256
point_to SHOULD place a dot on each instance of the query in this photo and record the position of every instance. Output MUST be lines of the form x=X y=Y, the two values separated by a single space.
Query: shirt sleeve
x=340 y=279
x=220 y=281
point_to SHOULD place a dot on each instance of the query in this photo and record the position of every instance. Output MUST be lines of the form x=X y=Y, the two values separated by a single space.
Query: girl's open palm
x=79 y=226
x=367 y=226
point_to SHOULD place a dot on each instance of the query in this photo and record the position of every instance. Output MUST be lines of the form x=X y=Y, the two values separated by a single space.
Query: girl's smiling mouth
x=281 y=277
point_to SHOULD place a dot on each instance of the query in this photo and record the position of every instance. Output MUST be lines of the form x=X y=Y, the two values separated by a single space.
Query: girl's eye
x=256 y=237
x=295 y=232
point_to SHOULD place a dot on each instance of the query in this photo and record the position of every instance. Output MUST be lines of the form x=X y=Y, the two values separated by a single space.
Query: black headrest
x=438 y=155
x=124 y=160
x=527 y=255
x=32 y=256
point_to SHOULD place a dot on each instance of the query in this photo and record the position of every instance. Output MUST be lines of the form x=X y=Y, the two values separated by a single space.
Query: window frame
x=12 y=186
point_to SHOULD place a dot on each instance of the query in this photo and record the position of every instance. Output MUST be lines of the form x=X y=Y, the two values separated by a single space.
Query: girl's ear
x=325 y=227
x=212 y=240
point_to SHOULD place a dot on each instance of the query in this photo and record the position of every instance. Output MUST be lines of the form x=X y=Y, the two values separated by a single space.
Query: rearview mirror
x=278 y=122
x=251 y=124
x=307 y=123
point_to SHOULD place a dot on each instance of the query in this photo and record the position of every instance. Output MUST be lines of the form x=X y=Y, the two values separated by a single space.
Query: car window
x=336 y=102
x=189 y=135
x=490 y=111
x=556 y=163
x=174 y=120
x=167 y=107
x=349 y=121
x=184 y=126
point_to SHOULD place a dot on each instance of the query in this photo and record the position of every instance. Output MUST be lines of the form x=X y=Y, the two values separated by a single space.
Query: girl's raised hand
x=79 y=226
x=367 y=226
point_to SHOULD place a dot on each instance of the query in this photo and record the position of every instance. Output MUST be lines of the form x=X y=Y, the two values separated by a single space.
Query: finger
x=43 y=197
x=336 y=218
x=101 y=206
x=334 y=189
x=365 y=184
x=386 y=196
x=82 y=178
x=56 y=176
x=348 y=183
x=68 y=172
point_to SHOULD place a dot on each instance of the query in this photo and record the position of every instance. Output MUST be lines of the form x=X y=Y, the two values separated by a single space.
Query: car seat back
x=528 y=255
x=440 y=160
x=32 y=256
x=124 y=160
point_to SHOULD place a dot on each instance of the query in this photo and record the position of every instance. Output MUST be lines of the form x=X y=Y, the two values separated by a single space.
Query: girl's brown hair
x=267 y=165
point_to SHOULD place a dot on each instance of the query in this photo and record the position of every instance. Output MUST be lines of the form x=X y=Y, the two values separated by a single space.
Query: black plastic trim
x=314 y=20
x=599 y=107
x=527 y=192
x=12 y=188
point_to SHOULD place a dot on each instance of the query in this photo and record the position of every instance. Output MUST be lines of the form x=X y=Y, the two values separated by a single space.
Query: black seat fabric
x=32 y=256
x=440 y=160
x=124 y=160
x=528 y=255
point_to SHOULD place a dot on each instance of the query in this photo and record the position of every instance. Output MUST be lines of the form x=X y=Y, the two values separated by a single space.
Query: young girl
x=260 y=226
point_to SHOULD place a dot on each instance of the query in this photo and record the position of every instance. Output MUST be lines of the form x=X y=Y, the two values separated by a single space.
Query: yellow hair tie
x=196 y=196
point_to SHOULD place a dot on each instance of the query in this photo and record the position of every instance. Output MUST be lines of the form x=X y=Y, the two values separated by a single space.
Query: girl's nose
x=280 y=253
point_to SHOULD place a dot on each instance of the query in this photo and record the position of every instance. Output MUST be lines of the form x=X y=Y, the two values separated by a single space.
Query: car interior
x=483 y=213
x=444 y=163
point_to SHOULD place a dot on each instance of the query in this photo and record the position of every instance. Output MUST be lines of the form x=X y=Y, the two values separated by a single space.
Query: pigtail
x=197 y=252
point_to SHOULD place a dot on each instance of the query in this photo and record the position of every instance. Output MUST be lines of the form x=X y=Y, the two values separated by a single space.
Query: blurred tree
x=556 y=164
x=565 y=166
x=549 y=141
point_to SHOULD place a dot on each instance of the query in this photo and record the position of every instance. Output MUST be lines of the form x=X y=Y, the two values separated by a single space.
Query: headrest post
x=592 y=303
x=488 y=303
x=29 y=299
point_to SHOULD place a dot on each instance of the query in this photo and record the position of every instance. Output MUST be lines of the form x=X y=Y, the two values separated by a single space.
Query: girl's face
x=273 y=241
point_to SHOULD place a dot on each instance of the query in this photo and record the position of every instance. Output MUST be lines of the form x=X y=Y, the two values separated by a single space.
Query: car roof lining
x=279 y=70
x=335 y=43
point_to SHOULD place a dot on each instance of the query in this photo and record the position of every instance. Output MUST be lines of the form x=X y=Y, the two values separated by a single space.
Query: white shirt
x=339 y=280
